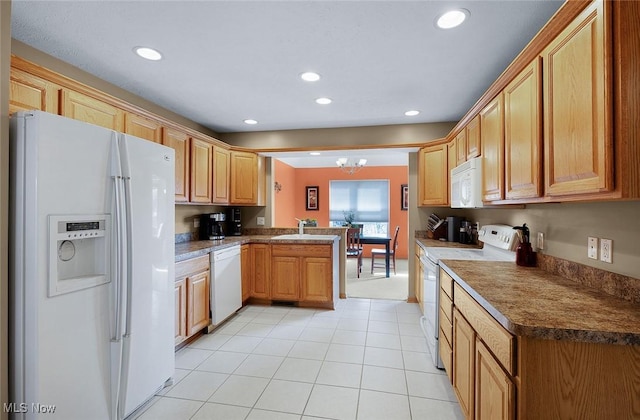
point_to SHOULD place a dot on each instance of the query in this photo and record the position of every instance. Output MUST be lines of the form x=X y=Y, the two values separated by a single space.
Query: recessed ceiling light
x=148 y=53
x=251 y=122
x=323 y=101
x=310 y=76
x=314 y=153
x=412 y=113
x=452 y=18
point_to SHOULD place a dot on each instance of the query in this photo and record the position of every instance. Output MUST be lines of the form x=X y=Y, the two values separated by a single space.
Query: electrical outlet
x=260 y=221
x=196 y=222
x=606 y=250
x=592 y=248
x=540 y=240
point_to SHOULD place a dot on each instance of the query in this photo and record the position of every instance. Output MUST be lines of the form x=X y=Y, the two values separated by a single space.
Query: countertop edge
x=208 y=246
x=545 y=333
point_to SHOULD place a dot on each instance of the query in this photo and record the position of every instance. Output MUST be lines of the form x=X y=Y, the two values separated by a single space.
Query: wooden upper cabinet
x=433 y=178
x=578 y=142
x=523 y=134
x=201 y=171
x=142 y=127
x=221 y=175
x=85 y=108
x=179 y=142
x=473 y=138
x=492 y=139
x=28 y=92
x=461 y=147
x=244 y=178
x=452 y=159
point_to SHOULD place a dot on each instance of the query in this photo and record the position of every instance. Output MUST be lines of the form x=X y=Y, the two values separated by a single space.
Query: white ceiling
x=226 y=61
x=328 y=158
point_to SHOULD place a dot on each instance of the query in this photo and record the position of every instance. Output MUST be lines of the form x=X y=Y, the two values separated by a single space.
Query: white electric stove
x=500 y=242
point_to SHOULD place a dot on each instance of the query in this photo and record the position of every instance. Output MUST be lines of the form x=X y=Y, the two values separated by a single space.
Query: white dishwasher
x=226 y=283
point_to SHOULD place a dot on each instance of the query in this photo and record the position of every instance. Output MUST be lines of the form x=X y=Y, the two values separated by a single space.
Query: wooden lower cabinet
x=302 y=273
x=245 y=271
x=260 y=270
x=464 y=343
x=495 y=392
x=499 y=376
x=181 y=310
x=285 y=278
x=316 y=279
x=198 y=292
x=192 y=293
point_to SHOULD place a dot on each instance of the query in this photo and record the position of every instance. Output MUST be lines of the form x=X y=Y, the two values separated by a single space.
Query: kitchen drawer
x=301 y=250
x=446 y=305
x=194 y=265
x=446 y=354
x=446 y=326
x=446 y=283
x=499 y=341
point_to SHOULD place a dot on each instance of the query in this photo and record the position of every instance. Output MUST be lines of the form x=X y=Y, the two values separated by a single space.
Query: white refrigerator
x=91 y=269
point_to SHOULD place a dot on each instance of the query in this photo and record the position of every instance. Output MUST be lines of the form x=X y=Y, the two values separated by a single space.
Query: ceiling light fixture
x=250 y=122
x=412 y=113
x=148 y=53
x=310 y=76
x=323 y=101
x=452 y=18
x=350 y=167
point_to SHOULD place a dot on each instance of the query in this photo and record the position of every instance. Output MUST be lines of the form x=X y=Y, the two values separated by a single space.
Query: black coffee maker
x=212 y=226
x=234 y=222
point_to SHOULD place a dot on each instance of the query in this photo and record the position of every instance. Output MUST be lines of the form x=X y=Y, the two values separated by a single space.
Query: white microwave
x=466 y=184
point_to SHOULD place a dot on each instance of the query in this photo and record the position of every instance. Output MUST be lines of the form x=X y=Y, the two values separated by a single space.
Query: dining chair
x=354 y=249
x=380 y=252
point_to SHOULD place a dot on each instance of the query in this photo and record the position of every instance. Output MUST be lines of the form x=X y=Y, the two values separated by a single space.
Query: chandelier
x=350 y=167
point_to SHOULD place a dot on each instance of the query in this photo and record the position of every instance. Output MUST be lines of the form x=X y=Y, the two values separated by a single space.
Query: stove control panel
x=499 y=236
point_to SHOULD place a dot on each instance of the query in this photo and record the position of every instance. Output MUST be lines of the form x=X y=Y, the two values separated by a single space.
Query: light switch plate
x=196 y=222
x=260 y=221
x=540 y=240
x=592 y=248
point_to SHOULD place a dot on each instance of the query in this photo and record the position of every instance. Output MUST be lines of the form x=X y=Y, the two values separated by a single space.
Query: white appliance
x=500 y=242
x=466 y=184
x=91 y=269
x=226 y=283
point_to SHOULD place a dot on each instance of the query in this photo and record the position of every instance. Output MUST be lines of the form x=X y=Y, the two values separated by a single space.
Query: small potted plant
x=349 y=217
x=311 y=223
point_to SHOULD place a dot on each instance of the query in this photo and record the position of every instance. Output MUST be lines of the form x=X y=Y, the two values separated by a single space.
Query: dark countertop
x=531 y=302
x=193 y=249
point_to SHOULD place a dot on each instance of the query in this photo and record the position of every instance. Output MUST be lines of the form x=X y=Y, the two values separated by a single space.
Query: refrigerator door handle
x=117 y=309
x=128 y=233
x=116 y=175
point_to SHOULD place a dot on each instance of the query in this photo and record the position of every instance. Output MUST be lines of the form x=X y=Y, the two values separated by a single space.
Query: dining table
x=379 y=240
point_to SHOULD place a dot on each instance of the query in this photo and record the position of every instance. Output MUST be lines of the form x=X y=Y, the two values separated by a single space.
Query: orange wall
x=284 y=203
x=295 y=181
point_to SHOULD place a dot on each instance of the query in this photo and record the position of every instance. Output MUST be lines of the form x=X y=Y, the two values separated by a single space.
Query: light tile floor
x=365 y=360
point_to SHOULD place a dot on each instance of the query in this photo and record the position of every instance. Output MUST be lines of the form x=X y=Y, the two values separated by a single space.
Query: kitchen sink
x=304 y=236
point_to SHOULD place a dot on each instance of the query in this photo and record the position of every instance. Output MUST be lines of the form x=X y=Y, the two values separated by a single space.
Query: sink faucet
x=301 y=224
